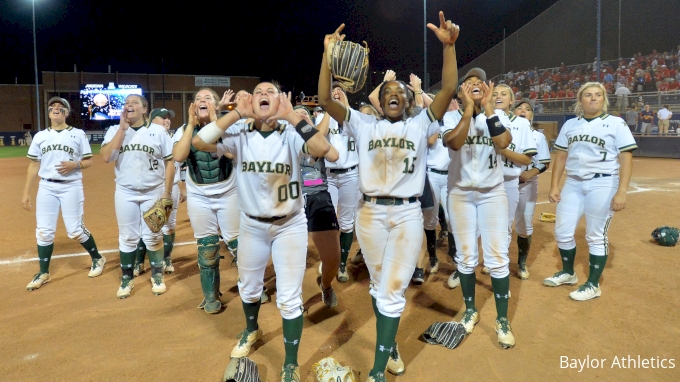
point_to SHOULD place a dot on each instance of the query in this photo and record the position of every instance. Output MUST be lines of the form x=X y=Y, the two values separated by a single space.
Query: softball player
x=343 y=181
x=161 y=116
x=596 y=150
x=528 y=189
x=58 y=155
x=389 y=219
x=477 y=201
x=268 y=154
x=144 y=170
x=211 y=197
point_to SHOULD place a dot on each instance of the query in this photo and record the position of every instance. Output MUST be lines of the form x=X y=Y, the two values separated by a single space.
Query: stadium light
x=35 y=66
x=425 y=82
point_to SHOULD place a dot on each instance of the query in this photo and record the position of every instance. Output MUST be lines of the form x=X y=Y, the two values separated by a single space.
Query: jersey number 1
x=409 y=165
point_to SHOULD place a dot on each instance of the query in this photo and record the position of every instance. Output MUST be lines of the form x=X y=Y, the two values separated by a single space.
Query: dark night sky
x=270 y=39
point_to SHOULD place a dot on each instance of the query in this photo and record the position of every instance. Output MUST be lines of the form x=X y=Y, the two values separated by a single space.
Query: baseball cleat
x=504 y=331
x=328 y=296
x=126 y=285
x=264 y=297
x=434 y=265
x=443 y=234
x=290 y=373
x=97 y=267
x=38 y=280
x=138 y=269
x=454 y=281
x=245 y=341
x=157 y=284
x=168 y=268
x=379 y=377
x=470 y=319
x=395 y=365
x=560 y=278
x=202 y=304
x=358 y=258
x=523 y=272
x=485 y=270
x=342 y=276
x=586 y=292
x=418 y=276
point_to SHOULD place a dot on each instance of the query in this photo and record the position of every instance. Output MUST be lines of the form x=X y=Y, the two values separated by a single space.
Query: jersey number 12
x=153 y=164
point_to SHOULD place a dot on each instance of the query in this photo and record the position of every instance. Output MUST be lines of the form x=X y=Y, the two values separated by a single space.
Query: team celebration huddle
x=266 y=175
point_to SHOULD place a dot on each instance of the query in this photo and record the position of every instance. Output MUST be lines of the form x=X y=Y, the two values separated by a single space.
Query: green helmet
x=666 y=236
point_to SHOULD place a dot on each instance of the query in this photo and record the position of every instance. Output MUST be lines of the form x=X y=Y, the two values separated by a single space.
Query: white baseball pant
x=211 y=214
x=130 y=207
x=528 y=195
x=511 y=186
x=345 y=194
x=171 y=223
x=592 y=197
x=440 y=192
x=69 y=197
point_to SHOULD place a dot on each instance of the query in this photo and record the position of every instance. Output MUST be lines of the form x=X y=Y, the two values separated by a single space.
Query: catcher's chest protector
x=204 y=169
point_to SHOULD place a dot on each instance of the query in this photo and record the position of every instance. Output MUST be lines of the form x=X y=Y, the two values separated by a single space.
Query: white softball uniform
x=592 y=167
x=212 y=207
x=140 y=174
x=522 y=143
x=389 y=221
x=528 y=191
x=438 y=174
x=477 y=201
x=272 y=212
x=343 y=175
x=50 y=147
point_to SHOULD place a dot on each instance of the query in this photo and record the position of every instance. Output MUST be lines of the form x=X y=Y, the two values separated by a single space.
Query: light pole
x=35 y=66
x=425 y=82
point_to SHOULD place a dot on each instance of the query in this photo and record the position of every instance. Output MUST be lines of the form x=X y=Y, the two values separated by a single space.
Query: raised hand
x=390 y=75
x=193 y=115
x=212 y=111
x=226 y=98
x=244 y=105
x=488 y=95
x=465 y=94
x=447 y=32
x=124 y=123
x=415 y=82
x=335 y=36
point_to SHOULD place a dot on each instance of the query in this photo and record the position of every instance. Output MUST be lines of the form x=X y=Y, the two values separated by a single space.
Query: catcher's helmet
x=666 y=236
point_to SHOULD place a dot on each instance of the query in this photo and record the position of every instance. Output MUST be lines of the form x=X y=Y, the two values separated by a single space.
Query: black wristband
x=542 y=170
x=305 y=130
x=495 y=126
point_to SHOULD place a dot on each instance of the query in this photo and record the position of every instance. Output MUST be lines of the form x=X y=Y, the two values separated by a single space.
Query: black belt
x=267 y=220
x=601 y=175
x=389 y=201
x=440 y=172
x=54 y=180
x=342 y=170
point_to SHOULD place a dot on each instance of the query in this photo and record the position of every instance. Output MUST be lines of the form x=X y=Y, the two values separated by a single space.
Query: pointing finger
x=442 y=19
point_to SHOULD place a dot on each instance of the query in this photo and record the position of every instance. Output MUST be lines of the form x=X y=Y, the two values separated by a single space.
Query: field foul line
x=21 y=260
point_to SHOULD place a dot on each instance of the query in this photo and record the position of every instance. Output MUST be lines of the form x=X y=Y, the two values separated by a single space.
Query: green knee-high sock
x=375 y=306
x=168 y=244
x=156 y=261
x=568 y=256
x=91 y=248
x=251 y=310
x=345 y=245
x=141 y=252
x=452 y=247
x=501 y=287
x=523 y=245
x=467 y=286
x=292 y=332
x=127 y=262
x=386 y=332
x=442 y=219
x=596 y=267
x=45 y=254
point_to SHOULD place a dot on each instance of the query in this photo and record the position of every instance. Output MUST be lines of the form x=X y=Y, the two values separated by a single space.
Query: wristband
x=305 y=130
x=210 y=133
x=239 y=114
x=495 y=126
x=542 y=170
x=420 y=92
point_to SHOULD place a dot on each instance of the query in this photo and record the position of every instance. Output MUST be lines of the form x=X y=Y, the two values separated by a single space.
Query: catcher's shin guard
x=209 y=265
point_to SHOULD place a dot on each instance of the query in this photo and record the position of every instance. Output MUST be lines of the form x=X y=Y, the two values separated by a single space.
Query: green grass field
x=21 y=151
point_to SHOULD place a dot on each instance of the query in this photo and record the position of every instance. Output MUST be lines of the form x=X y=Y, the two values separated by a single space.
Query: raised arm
x=500 y=135
x=113 y=146
x=374 y=97
x=336 y=109
x=211 y=132
x=456 y=139
x=447 y=33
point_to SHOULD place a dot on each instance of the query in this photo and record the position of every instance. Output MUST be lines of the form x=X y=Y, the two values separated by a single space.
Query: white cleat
x=126 y=285
x=454 y=281
x=586 y=292
x=505 y=337
x=38 y=280
x=97 y=267
x=245 y=341
x=560 y=278
x=395 y=364
x=157 y=284
x=470 y=319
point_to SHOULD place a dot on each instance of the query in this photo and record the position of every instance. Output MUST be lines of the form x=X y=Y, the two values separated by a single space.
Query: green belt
x=440 y=172
x=389 y=201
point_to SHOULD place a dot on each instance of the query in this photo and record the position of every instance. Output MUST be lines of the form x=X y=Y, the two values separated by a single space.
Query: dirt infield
x=75 y=328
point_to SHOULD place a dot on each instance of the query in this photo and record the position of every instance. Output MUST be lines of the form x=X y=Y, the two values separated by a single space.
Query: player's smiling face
x=476 y=85
x=134 y=109
x=524 y=111
x=592 y=100
x=502 y=98
x=205 y=102
x=265 y=100
x=394 y=100
x=339 y=95
x=57 y=113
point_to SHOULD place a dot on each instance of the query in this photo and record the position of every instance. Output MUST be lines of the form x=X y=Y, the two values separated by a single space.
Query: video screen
x=105 y=102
